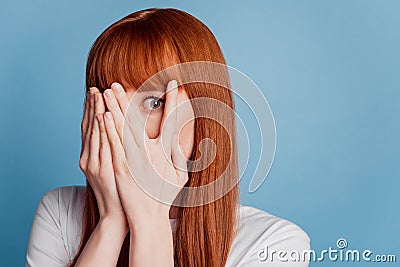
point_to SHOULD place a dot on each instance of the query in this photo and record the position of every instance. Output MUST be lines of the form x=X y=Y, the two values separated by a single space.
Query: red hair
x=130 y=51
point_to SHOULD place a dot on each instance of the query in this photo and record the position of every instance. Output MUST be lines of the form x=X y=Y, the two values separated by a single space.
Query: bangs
x=130 y=53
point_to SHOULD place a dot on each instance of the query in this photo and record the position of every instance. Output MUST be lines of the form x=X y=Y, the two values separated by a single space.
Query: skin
x=105 y=161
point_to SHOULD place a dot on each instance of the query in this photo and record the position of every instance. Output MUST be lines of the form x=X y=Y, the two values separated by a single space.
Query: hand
x=131 y=163
x=96 y=163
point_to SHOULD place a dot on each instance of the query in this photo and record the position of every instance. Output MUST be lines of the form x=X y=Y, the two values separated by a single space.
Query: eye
x=151 y=103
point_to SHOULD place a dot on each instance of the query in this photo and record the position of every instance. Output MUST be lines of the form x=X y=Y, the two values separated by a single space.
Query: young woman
x=130 y=136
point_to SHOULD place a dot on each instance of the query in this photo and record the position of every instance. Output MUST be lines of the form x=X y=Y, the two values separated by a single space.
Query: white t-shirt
x=55 y=233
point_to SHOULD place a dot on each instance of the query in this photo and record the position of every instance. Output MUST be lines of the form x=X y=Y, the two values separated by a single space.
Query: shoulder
x=257 y=230
x=65 y=203
x=64 y=206
x=56 y=227
x=266 y=223
x=65 y=193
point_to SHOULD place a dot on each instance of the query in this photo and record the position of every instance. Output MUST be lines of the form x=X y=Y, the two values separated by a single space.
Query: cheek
x=185 y=124
x=153 y=123
x=153 y=120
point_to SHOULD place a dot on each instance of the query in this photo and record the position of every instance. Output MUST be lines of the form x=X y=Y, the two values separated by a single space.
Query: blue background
x=329 y=69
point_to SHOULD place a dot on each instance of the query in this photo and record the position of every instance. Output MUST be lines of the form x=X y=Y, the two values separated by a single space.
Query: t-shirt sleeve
x=264 y=240
x=46 y=245
x=285 y=247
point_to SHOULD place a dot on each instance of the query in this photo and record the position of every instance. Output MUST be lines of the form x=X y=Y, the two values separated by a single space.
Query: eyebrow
x=149 y=89
x=155 y=84
x=152 y=88
x=155 y=92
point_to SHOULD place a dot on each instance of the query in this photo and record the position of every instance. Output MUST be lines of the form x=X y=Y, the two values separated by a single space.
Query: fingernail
x=173 y=85
x=116 y=87
x=108 y=115
x=108 y=93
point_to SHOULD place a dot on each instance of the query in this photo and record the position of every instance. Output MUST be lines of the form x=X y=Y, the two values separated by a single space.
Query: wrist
x=145 y=224
x=114 y=225
x=144 y=233
x=142 y=238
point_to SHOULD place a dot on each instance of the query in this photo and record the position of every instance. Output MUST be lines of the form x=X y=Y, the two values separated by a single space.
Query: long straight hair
x=130 y=51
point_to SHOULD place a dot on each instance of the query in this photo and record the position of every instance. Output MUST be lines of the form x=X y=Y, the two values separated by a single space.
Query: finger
x=114 y=108
x=117 y=115
x=168 y=122
x=95 y=133
x=85 y=120
x=121 y=96
x=100 y=106
x=117 y=150
x=89 y=118
x=105 y=153
x=135 y=126
x=131 y=115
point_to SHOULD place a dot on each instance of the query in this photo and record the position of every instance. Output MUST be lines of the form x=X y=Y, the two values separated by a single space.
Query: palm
x=153 y=171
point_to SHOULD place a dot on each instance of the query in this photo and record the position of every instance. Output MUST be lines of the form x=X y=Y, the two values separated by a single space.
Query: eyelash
x=156 y=98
